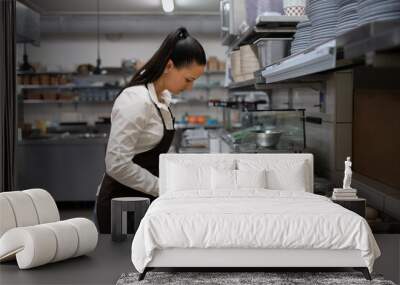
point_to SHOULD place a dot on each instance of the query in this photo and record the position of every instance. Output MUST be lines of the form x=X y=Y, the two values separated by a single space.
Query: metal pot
x=272 y=50
x=268 y=138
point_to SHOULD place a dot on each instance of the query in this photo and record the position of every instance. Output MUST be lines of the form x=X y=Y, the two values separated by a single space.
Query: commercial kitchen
x=281 y=77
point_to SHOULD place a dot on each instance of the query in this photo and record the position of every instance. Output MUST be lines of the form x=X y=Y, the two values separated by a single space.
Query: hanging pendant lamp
x=97 y=70
x=25 y=66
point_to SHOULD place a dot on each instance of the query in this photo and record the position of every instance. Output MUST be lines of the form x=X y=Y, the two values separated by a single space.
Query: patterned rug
x=243 y=278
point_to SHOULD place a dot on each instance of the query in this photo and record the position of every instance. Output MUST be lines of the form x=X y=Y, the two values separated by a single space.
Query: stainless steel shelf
x=38 y=101
x=193 y=126
x=206 y=87
x=75 y=74
x=312 y=61
x=370 y=38
x=216 y=72
x=66 y=87
x=268 y=27
x=356 y=47
x=189 y=102
x=255 y=33
x=279 y=21
x=242 y=85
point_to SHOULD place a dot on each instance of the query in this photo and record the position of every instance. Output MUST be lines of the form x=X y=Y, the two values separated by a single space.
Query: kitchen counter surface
x=70 y=139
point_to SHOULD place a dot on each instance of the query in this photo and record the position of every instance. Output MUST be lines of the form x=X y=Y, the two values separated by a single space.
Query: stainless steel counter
x=63 y=141
x=66 y=138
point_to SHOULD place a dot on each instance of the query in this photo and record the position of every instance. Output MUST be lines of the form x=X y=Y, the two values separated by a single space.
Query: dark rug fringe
x=244 y=278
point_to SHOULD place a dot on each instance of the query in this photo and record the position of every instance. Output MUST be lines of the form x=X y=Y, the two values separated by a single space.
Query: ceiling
x=118 y=7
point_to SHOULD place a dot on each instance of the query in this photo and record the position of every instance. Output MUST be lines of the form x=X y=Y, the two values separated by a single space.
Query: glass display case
x=266 y=131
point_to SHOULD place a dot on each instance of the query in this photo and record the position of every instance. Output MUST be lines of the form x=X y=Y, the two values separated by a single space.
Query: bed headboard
x=167 y=158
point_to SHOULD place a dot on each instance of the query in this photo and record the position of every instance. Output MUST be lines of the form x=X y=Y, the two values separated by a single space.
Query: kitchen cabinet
x=70 y=169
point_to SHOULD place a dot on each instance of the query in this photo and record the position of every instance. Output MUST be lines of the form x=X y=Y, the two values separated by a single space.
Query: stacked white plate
x=347 y=16
x=323 y=20
x=377 y=10
x=302 y=37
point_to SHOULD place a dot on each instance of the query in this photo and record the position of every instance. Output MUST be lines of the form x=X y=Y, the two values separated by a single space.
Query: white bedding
x=250 y=219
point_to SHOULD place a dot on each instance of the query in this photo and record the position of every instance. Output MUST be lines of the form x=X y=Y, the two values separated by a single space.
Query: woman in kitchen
x=142 y=125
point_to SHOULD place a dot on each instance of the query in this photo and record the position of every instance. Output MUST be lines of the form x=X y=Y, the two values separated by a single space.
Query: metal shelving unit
x=363 y=45
x=370 y=39
x=38 y=101
x=242 y=85
x=66 y=87
x=268 y=27
x=189 y=102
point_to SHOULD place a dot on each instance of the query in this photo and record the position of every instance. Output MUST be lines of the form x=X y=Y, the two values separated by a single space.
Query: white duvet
x=250 y=219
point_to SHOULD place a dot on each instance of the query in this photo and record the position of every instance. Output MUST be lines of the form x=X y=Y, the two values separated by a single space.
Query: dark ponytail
x=178 y=46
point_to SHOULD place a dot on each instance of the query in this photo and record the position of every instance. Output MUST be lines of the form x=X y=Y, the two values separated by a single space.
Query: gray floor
x=102 y=266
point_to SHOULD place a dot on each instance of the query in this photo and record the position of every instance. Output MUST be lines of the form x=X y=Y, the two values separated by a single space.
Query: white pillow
x=285 y=174
x=230 y=180
x=251 y=178
x=288 y=177
x=223 y=179
x=188 y=177
x=185 y=174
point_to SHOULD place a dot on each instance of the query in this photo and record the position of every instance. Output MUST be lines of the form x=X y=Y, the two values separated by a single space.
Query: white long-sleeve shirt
x=136 y=127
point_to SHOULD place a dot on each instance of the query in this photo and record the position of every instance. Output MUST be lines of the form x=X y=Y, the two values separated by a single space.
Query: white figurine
x=347 y=174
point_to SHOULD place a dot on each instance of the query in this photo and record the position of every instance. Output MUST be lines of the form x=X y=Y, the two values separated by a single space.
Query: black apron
x=110 y=188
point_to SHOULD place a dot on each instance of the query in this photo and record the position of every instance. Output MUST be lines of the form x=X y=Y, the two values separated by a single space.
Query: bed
x=245 y=211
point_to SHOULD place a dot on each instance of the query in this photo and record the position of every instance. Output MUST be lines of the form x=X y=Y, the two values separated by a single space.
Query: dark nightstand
x=356 y=205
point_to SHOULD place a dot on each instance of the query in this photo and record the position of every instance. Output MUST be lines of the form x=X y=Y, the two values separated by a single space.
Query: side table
x=357 y=205
x=119 y=209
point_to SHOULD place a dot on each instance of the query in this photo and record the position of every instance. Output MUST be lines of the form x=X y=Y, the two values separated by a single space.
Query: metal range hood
x=128 y=24
x=27 y=24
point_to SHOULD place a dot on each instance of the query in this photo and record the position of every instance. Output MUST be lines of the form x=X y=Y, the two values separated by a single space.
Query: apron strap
x=159 y=112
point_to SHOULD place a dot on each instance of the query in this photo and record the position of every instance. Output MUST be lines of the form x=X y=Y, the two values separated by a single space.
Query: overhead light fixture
x=167 y=5
x=25 y=66
x=97 y=70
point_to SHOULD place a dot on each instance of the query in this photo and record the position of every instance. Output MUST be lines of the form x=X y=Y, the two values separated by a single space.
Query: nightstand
x=120 y=207
x=356 y=205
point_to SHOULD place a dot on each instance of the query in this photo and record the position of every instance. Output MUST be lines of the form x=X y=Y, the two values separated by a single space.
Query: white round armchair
x=31 y=230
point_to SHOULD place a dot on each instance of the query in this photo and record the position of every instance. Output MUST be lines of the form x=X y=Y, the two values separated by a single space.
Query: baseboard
x=66 y=205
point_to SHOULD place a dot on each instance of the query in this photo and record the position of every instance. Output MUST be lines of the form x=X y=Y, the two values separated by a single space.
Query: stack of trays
x=248 y=61
x=347 y=15
x=244 y=63
x=235 y=65
x=302 y=38
x=323 y=19
x=374 y=10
